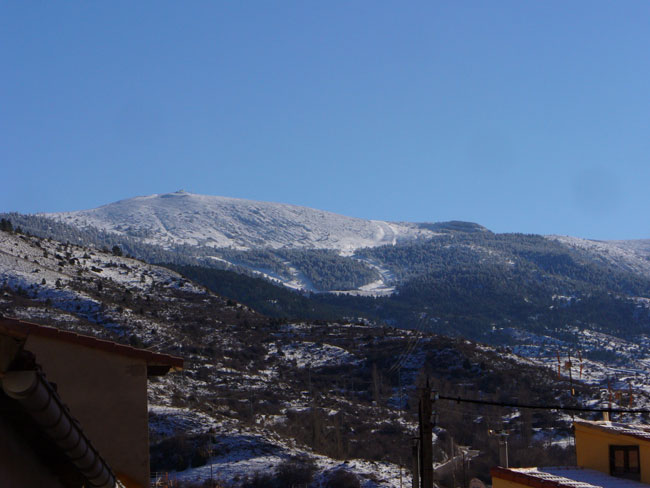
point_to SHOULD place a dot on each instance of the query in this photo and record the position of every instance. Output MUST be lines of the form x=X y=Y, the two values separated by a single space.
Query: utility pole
x=250 y=401
x=415 y=449
x=399 y=380
x=210 y=457
x=309 y=378
x=503 y=445
x=464 y=470
x=570 y=365
x=468 y=454
x=426 y=436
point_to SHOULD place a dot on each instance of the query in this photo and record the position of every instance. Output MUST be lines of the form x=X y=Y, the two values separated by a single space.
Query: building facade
x=608 y=454
x=75 y=407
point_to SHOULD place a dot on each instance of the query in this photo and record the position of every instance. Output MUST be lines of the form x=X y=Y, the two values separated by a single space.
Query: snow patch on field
x=240 y=453
x=314 y=355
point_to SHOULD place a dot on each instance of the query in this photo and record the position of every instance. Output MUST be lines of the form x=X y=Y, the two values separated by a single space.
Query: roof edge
x=21 y=329
x=524 y=479
x=628 y=429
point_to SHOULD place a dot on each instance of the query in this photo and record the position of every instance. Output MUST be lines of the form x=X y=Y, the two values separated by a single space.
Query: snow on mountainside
x=231 y=409
x=260 y=397
x=172 y=219
x=632 y=255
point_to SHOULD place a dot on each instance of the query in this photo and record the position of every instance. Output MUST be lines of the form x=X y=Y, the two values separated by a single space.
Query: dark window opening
x=624 y=462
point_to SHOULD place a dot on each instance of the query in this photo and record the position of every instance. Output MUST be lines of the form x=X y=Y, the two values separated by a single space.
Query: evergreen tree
x=6 y=226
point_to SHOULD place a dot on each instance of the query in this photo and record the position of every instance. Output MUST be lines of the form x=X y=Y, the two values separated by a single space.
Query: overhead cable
x=543 y=407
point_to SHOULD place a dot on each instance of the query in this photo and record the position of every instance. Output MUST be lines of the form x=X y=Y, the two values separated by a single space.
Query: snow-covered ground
x=625 y=372
x=96 y=292
x=260 y=457
x=53 y=273
x=384 y=286
x=314 y=355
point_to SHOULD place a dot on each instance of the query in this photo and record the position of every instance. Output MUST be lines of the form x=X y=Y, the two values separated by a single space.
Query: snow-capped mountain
x=318 y=251
x=261 y=395
x=172 y=219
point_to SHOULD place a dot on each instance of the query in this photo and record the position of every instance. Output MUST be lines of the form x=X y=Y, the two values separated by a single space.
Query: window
x=624 y=462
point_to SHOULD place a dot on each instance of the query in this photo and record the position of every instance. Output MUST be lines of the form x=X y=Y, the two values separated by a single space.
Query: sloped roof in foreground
x=21 y=329
x=638 y=431
x=563 y=477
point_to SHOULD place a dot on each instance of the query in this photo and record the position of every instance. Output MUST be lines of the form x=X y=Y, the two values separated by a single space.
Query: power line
x=543 y=407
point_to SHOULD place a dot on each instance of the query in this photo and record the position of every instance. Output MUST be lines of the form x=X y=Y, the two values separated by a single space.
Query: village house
x=73 y=408
x=608 y=454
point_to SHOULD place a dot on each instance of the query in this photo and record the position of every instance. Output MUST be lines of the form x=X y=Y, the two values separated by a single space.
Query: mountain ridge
x=171 y=219
x=312 y=250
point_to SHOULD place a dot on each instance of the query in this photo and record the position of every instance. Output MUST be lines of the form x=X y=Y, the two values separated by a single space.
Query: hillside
x=262 y=399
x=470 y=284
x=455 y=278
x=183 y=218
x=317 y=251
x=460 y=279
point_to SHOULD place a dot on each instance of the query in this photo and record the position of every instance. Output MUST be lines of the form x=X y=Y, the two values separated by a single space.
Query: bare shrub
x=342 y=479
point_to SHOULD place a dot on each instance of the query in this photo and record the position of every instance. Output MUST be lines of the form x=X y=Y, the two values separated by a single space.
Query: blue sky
x=522 y=116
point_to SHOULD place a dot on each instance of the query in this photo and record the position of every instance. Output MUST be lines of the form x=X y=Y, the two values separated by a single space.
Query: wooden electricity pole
x=426 y=437
x=416 y=462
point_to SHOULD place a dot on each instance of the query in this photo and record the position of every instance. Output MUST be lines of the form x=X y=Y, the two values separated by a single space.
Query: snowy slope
x=255 y=390
x=185 y=218
x=632 y=255
x=67 y=278
x=58 y=284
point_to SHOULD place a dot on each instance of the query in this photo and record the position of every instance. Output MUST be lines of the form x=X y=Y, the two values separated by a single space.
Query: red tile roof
x=21 y=329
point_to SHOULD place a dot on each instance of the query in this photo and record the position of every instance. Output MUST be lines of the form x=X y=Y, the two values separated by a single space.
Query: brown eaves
x=157 y=363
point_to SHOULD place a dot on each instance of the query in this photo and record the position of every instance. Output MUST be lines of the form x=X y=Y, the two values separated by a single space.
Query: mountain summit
x=172 y=219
